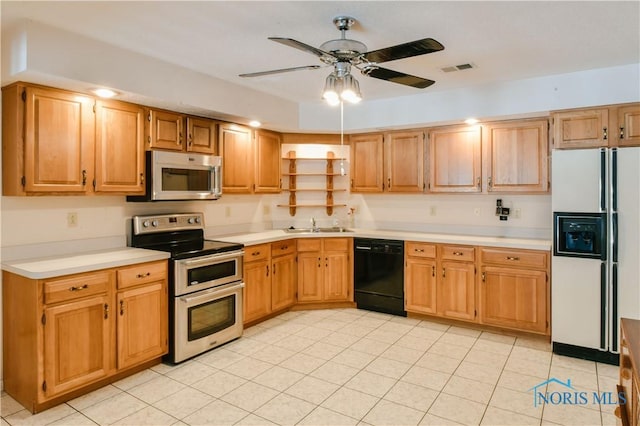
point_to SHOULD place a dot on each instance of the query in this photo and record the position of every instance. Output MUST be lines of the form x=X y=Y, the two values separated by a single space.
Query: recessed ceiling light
x=255 y=123
x=105 y=93
x=471 y=121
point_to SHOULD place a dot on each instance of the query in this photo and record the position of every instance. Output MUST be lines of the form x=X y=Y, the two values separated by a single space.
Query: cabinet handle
x=443 y=273
x=145 y=275
x=605 y=134
x=389 y=183
x=274 y=269
x=319 y=260
x=141 y=178
x=489 y=183
x=284 y=247
x=458 y=253
x=84 y=177
x=121 y=307
x=106 y=311
x=484 y=276
x=80 y=287
x=621 y=132
x=190 y=139
x=478 y=182
x=352 y=183
x=433 y=271
x=267 y=270
x=515 y=258
x=255 y=253
x=180 y=138
x=419 y=250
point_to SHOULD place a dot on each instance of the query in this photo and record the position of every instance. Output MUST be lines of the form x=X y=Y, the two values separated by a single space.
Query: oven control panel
x=167 y=222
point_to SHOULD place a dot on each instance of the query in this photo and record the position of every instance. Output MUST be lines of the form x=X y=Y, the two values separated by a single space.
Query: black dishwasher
x=379 y=275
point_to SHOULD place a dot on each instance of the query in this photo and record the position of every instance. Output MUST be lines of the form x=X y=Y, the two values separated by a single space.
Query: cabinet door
x=455 y=159
x=367 y=163
x=336 y=276
x=77 y=344
x=58 y=141
x=142 y=324
x=165 y=130
x=236 y=150
x=310 y=277
x=581 y=129
x=405 y=162
x=257 y=290
x=283 y=282
x=629 y=125
x=202 y=135
x=119 y=147
x=268 y=162
x=515 y=298
x=456 y=297
x=517 y=156
x=420 y=285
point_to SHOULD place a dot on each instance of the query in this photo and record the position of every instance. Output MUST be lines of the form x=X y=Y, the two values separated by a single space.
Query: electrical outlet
x=266 y=209
x=432 y=210
x=476 y=211
x=72 y=219
x=227 y=211
x=517 y=213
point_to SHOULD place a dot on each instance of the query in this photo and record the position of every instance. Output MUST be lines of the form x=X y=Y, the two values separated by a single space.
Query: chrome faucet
x=314 y=228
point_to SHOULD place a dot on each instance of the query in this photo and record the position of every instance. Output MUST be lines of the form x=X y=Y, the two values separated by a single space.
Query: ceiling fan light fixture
x=331 y=90
x=351 y=90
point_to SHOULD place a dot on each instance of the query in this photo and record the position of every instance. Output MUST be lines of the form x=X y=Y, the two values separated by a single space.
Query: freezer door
x=579 y=180
x=579 y=302
x=628 y=223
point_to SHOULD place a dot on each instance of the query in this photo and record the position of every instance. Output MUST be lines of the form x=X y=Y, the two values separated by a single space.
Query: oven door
x=203 y=272
x=206 y=319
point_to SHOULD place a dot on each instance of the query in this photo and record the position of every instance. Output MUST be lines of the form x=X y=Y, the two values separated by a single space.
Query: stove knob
x=145 y=224
x=154 y=223
x=191 y=220
x=198 y=219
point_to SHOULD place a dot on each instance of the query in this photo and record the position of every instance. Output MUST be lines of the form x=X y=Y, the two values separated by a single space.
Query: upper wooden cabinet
x=59 y=142
x=404 y=161
x=517 y=156
x=178 y=132
x=119 y=147
x=617 y=125
x=250 y=160
x=455 y=155
x=367 y=162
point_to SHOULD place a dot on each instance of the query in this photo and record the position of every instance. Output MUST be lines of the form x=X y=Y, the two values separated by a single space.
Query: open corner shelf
x=293 y=175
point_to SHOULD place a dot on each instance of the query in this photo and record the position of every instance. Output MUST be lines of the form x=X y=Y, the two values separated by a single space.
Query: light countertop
x=55 y=266
x=279 y=234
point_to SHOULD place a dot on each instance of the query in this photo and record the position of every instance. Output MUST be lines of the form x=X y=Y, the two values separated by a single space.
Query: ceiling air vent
x=457 y=67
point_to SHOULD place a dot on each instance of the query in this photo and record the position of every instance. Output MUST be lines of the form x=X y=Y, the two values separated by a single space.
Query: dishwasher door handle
x=363 y=248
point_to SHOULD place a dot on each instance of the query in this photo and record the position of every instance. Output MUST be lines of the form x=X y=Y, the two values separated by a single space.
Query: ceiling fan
x=343 y=53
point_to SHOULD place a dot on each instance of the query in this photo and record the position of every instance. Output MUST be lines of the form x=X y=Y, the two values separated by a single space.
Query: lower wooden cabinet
x=457 y=290
x=514 y=289
x=420 y=277
x=325 y=273
x=270 y=279
x=65 y=333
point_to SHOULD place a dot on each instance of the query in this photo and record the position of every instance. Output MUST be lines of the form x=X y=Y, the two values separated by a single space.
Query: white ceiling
x=504 y=40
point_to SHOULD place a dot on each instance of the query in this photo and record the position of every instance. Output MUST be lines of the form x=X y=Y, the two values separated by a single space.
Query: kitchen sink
x=293 y=230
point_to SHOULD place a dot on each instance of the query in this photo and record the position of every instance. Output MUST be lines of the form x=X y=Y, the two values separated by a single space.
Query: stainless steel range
x=205 y=300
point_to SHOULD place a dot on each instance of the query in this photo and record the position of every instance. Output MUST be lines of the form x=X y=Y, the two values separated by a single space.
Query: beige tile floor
x=346 y=367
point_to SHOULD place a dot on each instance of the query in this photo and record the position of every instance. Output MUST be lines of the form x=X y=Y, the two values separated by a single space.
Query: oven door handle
x=206 y=260
x=206 y=294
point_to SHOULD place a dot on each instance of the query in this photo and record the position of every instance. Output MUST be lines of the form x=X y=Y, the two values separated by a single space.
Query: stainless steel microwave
x=181 y=176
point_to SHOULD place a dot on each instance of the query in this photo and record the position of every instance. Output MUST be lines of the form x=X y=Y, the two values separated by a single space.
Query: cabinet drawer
x=257 y=252
x=76 y=287
x=336 y=244
x=420 y=249
x=458 y=253
x=141 y=274
x=309 y=244
x=281 y=248
x=531 y=259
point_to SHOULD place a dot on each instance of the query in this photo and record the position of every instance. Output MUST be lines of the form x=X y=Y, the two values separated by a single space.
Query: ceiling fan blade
x=304 y=47
x=261 y=73
x=406 y=50
x=397 y=77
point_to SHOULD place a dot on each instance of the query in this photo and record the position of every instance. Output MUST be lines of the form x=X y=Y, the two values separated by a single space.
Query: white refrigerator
x=590 y=295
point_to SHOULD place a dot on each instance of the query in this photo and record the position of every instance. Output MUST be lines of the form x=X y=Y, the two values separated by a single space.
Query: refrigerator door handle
x=614 y=308
x=603 y=180
x=603 y=306
x=614 y=179
x=614 y=237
